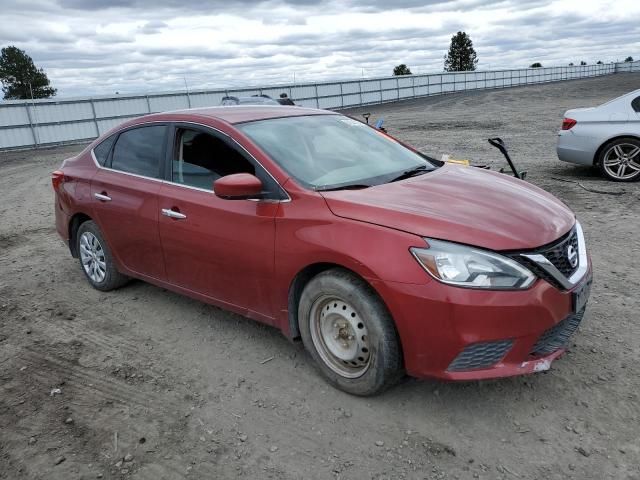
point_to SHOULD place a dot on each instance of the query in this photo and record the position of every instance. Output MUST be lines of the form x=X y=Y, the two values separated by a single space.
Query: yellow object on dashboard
x=446 y=158
x=459 y=162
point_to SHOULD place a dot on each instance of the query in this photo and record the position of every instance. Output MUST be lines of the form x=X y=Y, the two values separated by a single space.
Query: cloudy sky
x=103 y=46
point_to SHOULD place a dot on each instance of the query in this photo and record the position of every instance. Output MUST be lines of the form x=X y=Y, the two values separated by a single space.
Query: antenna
x=186 y=87
x=35 y=117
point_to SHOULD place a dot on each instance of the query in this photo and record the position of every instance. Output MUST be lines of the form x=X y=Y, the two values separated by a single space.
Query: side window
x=200 y=159
x=101 y=152
x=636 y=104
x=140 y=151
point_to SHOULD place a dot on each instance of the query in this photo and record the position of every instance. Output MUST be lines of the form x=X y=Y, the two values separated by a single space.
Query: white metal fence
x=25 y=124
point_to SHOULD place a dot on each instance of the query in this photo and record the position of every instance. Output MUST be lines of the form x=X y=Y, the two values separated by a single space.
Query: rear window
x=101 y=152
x=140 y=151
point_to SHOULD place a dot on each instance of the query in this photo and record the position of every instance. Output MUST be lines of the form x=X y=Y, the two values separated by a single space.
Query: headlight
x=472 y=267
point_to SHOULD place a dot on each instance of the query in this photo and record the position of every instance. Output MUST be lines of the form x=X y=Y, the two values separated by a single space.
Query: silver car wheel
x=622 y=161
x=92 y=257
x=340 y=336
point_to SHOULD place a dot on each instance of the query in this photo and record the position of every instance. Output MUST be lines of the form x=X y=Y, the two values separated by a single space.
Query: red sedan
x=383 y=260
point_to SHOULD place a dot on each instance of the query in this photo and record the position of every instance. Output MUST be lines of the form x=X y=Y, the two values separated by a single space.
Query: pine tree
x=20 y=78
x=461 y=56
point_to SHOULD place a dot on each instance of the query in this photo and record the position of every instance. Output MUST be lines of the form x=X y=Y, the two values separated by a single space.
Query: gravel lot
x=154 y=385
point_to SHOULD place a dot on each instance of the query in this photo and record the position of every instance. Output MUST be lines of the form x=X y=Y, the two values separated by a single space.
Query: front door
x=223 y=249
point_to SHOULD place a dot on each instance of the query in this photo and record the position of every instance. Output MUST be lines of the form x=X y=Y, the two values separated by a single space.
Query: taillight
x=568 y=123
x=57 y=179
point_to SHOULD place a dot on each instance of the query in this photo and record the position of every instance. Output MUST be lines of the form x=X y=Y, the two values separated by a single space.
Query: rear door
x=125 y=195
x=223 y=249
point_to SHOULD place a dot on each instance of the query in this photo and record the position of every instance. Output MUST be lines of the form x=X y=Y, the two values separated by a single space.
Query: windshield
x=334 y=151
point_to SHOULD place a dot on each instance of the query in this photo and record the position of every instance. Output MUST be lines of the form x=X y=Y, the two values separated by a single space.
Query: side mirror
x=239 y=186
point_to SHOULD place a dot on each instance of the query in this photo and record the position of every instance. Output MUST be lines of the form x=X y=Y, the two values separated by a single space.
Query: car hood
x=461 y=204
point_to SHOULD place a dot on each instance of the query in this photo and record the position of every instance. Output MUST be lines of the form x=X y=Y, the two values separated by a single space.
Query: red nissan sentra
x=383 y=260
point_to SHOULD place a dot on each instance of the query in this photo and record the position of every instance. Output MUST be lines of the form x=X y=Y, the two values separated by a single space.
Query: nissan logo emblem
x=572 y=256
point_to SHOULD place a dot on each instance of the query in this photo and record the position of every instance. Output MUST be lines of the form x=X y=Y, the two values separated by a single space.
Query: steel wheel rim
x=340 y=336
x=622 y=161
x=92 y=257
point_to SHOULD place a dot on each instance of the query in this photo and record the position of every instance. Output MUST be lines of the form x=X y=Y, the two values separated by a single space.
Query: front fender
x=303 y=239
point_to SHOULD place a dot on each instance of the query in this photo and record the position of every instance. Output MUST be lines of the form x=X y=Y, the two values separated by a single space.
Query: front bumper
x=453 y=333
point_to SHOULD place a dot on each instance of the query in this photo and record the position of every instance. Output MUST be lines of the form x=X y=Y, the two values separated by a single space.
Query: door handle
x=167 y=212
x=102 y=197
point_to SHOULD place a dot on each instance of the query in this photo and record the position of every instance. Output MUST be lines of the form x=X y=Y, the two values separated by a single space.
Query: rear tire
x=96 y=260
x=349 y=332
x=619 y=160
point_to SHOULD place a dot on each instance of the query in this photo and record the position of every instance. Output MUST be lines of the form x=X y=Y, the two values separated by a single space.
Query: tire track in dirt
x=100 y=343
x=95 y=383
x=103 y=344
x=65 y=320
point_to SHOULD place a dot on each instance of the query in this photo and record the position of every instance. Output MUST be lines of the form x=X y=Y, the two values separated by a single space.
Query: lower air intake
x=557 y=336
x=480 y=355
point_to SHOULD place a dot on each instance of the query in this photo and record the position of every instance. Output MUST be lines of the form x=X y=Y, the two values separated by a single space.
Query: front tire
x=349 y=332
x=96 y=260
x=619 y=160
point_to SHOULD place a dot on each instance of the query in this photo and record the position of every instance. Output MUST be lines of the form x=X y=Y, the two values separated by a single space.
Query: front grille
x=557 y=336
x=540 y=272
x=480 y=355
x=556 y=253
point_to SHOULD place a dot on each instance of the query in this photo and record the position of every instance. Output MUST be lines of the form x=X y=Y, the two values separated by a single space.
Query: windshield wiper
x=419 y=170
x=354 y=186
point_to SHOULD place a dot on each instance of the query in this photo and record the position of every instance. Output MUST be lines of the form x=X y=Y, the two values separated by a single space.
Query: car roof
x=249 y=113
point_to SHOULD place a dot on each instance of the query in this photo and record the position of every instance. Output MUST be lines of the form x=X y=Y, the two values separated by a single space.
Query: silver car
x=607 y=137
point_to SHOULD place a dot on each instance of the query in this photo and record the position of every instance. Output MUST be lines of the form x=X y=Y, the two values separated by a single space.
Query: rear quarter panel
x=78 y=172
x=75 y=193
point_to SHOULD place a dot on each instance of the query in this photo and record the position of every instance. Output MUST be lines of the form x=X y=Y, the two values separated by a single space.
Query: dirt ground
x=153 y=385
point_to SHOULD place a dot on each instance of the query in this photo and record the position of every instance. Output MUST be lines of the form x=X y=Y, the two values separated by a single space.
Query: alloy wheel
x=622 y=161
x=92 y=257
